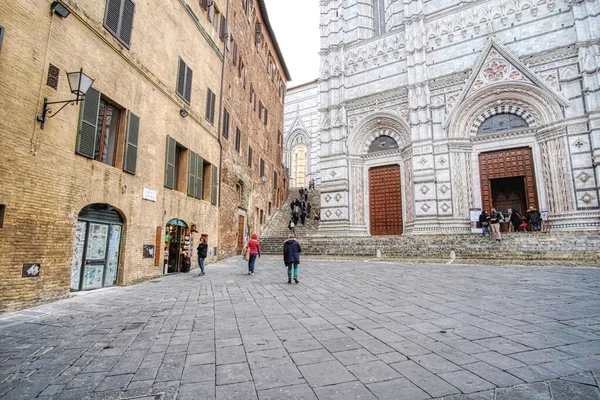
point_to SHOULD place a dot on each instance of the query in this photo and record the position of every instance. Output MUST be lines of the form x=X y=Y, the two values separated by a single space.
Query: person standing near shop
x=202 y=250
x=495 y=218
x=291 y=257
x=253 y=246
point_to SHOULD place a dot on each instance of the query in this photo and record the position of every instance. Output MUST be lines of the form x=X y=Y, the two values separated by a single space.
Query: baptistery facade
x=430 y=111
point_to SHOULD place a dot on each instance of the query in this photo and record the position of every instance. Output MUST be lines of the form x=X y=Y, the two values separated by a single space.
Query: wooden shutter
x=223 y=30
x=131 y=146
x=188 y=84
x=199 y=177
x=211 y=12
x=88 y=120
x=170 y=163
x=113 y=15
x=192 y=174
x=181 y=78
x=225 y=123
x=204 y=4
x=208 y=99
x=126 y=21
x=215 y=185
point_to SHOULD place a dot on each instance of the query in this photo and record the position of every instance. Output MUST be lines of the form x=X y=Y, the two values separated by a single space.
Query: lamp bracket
x=48 y=113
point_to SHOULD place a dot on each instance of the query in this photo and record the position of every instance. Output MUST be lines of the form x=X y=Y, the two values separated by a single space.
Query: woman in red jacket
x=254 y=247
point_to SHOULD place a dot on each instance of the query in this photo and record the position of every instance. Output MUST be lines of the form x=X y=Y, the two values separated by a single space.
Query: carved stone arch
x=296 y=136
x=506 y=109
x=539 y=107
x=375 y=125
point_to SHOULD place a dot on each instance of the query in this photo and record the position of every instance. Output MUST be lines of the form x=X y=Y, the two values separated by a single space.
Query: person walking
x=516 y=220
x=291 y=256
x=202 y=250
x=303 y=217
x=292 y=227
x=495 y=218
x=308 y=206
x=534 y=217
x=253 y=246
x=484 y=220
x=305 y=194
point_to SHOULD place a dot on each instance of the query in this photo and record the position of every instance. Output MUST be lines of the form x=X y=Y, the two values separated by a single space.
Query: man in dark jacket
x=291 y=257
x=533 y=215
x=202 y=250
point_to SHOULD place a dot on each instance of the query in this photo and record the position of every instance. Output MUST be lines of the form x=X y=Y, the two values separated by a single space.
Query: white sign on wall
x=149 y=194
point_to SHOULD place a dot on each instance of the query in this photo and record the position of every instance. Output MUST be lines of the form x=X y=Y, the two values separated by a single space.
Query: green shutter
x=127 y=22
x=181 y=78
x=215 y=184
x=131 y=146
x=170 y=163
x=88 y=120
x=199 y=177
x=192 y=174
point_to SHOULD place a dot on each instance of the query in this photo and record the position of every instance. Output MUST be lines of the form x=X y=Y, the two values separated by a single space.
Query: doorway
x=177 y=245
x=509 y=193
x=97 y=247
x=507 y=179
x=385 y=200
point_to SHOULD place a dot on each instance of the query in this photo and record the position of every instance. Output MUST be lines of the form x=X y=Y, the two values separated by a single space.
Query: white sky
x=296 y=26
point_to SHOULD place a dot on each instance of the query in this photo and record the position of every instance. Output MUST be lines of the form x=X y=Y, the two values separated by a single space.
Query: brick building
x=254 y=182
x=113 y=190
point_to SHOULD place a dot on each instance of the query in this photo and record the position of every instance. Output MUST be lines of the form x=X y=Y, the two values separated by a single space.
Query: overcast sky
x=296 y=26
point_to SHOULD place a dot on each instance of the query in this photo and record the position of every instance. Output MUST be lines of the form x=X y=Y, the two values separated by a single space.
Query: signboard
x=474 y=212
x=149 y=194
x=31 y=270
x=148 y=251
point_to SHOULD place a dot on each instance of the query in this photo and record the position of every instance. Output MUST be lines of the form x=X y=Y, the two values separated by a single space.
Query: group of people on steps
x=490 y=223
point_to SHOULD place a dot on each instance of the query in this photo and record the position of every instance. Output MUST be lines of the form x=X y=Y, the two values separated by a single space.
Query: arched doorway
x=97 y=247
x=177 y=246
x=385 y=192
x=507 y=175
x=299 y=165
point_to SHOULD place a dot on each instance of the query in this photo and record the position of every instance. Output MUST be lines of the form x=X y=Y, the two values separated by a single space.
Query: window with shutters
x=234 y=53
x=225 y=123
x=250 y=156
x=223 y=30
x=184 y=81
x=214 y=190
x=105 y=135
x=206 y=194
x=262 y=168
x=238 y=140
x=258 y=34
x=118 y=19
x=216 y=18
x=204 y=4
x=210 y=106
x=176 y=160
x=199 y=177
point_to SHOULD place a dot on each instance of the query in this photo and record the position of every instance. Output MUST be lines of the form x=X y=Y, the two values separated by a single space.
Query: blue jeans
x=201 y=263
x=251 y=262
x=485 y=228
x=295 y=267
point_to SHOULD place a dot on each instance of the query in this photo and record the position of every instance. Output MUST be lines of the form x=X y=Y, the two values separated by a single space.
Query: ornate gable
x=298 y=125
x=498 y=66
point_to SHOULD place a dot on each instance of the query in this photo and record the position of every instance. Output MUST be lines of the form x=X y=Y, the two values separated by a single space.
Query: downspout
x=220 y=124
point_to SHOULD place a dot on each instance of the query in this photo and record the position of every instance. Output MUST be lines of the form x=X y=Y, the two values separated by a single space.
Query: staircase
x=276 y=231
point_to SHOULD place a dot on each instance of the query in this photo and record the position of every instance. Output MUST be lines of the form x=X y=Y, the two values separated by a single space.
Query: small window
x=275 y=181
x=262 y=217
x=270 y=206
x=118 y=19
x=184 y=81
x=225 y=123
x=262 y=167
x=250 y=156
x=210 y=106
x=238 y=139
x=234 y=54
x=261 y=108
x=2 y=214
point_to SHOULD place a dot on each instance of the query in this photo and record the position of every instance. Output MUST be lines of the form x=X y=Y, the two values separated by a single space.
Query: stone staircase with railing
x=276 y=231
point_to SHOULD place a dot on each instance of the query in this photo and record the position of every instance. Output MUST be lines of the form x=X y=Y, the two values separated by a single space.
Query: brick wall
x=264 y=139
x=44 y=184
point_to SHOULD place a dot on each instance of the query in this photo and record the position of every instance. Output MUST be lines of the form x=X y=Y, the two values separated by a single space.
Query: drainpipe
x=220 y=124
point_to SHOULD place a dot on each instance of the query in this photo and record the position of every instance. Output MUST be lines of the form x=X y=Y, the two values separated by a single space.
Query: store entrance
x=97 y=247
x=177 y=245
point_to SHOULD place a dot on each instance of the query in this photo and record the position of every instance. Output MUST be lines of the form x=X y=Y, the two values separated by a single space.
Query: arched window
x=383 y=143
x=501 y=122
x=378 y=17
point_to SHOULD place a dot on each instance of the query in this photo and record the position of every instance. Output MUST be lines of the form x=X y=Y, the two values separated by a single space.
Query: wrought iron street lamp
x=79 y=84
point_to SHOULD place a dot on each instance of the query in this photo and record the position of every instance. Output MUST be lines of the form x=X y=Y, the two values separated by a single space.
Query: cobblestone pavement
x=349 y=330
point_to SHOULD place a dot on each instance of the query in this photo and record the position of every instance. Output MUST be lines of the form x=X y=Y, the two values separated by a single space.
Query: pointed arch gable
x=375 y=125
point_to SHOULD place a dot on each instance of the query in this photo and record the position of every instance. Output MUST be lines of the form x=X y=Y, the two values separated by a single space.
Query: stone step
x=523 y=246
x=278 y=224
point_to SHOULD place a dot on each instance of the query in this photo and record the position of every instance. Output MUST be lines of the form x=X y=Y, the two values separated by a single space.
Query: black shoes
x=290 y=280
x=296 y=279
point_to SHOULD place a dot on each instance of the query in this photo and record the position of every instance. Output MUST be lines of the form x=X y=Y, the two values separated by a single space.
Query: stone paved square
x=350 y=329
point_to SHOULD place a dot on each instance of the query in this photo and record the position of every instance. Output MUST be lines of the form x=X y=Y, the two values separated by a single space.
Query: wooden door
x=385 y=200
x=507 y=164
x=240 y=243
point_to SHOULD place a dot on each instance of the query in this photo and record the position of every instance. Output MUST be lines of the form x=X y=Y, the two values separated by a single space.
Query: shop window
x=105 y=134
x=2 y=214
